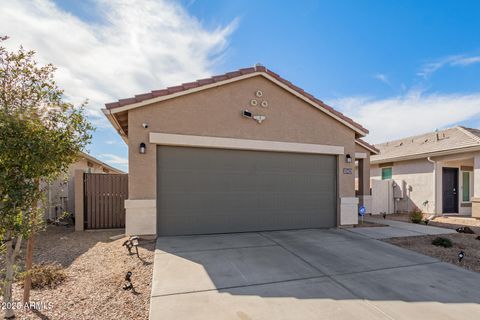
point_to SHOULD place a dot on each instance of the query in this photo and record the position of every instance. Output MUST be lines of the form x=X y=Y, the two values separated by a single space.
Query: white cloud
x=114 y=159
x=409 y=114
x=466 y=61
x=382 y=77
x=455 y=60
x=135 y=47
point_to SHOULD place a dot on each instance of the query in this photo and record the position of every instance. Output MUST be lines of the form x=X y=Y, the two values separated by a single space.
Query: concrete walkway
x=305 y=274
x=398 y=229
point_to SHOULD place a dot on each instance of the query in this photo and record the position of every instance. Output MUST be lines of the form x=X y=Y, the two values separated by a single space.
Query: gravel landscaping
x=461 y=242
x=95 y=268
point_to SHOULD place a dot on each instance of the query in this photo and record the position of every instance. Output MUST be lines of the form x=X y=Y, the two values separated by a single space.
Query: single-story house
x=439 y=171
x=242 y=151
x=61 y=193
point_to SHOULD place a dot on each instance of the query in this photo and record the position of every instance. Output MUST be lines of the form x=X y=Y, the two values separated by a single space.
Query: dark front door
x=450 y=190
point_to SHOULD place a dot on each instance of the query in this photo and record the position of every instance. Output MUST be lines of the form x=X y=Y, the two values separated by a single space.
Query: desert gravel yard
x=95 y=267
x=461 y=242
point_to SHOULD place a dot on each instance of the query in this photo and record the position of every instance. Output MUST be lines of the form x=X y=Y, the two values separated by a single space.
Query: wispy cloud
x=112 y=158
x=382 y=77
x=412 y=113
x=136 y=46
x=466 y=61
x=455 y=60
x=131 y=47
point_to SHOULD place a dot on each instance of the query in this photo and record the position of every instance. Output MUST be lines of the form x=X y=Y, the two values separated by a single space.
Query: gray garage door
x=203 y=191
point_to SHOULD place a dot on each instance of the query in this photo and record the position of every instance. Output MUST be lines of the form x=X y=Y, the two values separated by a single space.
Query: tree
x=40 y=136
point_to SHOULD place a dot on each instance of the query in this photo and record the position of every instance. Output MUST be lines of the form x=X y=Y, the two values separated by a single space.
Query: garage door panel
x=214 y=191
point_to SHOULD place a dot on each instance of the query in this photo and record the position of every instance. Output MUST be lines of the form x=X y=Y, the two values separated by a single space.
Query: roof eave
x=426 y=154
x=111 y=118
x=112 y=111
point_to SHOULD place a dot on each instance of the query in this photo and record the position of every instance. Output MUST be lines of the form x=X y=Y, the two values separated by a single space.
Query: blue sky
x=398 y=67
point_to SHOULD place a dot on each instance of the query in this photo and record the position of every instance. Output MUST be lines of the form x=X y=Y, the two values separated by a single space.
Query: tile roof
x=227 y=76
x=367 y=145
x=422 y=145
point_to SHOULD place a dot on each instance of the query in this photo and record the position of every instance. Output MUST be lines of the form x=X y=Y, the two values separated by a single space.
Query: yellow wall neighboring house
x=60 y=196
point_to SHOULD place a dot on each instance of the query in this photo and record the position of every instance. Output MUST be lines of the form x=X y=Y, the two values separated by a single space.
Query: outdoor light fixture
x=128 y=281
x=130 y=243
x=143 y=148
x=348 y=158
x=461 y=255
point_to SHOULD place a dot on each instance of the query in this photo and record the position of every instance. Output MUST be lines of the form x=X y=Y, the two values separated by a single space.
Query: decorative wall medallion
x=253 y=102
x=264 y=103
x=259 y=118
x=259 y=93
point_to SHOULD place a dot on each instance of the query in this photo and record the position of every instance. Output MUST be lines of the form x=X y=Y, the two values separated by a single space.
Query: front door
x=450 y=190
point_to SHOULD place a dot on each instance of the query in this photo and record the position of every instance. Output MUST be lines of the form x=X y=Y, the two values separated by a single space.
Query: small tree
x=40 y=136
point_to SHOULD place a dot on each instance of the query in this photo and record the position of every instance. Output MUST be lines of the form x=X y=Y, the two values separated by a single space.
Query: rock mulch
x=461 y=242
x=95 y=268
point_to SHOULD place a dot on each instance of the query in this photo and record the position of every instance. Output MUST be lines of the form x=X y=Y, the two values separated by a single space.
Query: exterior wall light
x=143 y=148
x=348 y=158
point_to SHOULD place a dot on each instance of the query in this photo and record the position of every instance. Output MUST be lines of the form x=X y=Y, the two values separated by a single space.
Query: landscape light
x=128 y=281
x=133 y=241
x=461 y=255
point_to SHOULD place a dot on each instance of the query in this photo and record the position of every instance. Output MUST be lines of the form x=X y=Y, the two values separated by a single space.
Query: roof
x=114 y=110
x=447 y=141
x=367 y=146
x=103 y=164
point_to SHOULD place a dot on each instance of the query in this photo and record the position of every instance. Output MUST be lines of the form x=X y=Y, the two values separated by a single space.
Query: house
x=60 y=193
x=242 y=151
x=439 y=171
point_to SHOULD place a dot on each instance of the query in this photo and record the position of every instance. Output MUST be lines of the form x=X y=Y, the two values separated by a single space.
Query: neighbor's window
x=466 y=186
x=386 y=173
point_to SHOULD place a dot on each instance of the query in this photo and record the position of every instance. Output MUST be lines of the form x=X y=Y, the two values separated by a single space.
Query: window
x=386 y=173
x=466 y=186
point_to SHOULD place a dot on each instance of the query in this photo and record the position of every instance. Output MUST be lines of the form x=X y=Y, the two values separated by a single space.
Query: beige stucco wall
x=61 y=195
x=416 y=173
x=419 y=174
x=216 y=112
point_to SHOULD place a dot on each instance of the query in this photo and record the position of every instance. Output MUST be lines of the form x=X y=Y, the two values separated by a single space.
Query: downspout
x=435 y=204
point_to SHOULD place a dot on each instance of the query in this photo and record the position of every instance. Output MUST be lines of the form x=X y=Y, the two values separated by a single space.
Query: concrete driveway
x=305 y=274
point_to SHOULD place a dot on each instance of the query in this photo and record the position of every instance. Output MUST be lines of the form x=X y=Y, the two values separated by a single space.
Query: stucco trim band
x=241 y=144
x=360 y=155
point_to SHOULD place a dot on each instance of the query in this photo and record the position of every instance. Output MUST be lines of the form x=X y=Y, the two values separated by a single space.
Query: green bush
x=442 y=242
x=46 y=275
x=416 y=216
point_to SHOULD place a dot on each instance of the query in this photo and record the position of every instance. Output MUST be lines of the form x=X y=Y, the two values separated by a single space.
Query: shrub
x=416 y=216
x=46 y=275
x=442 y=242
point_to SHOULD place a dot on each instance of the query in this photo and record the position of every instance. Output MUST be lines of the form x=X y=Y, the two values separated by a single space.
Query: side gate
x=104 y=200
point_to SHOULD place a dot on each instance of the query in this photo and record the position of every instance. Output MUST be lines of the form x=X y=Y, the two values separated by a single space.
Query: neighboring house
x=243 y=151
x=440 y=170
x=60 y=194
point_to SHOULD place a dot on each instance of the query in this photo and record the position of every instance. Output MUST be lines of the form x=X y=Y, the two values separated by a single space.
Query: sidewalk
x=398 y=229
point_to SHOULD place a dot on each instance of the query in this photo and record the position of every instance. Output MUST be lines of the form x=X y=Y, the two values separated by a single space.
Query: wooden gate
x=104 y=200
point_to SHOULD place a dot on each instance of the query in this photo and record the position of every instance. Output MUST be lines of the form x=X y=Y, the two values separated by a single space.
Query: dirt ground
x=95 y=268
x=461 y=242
